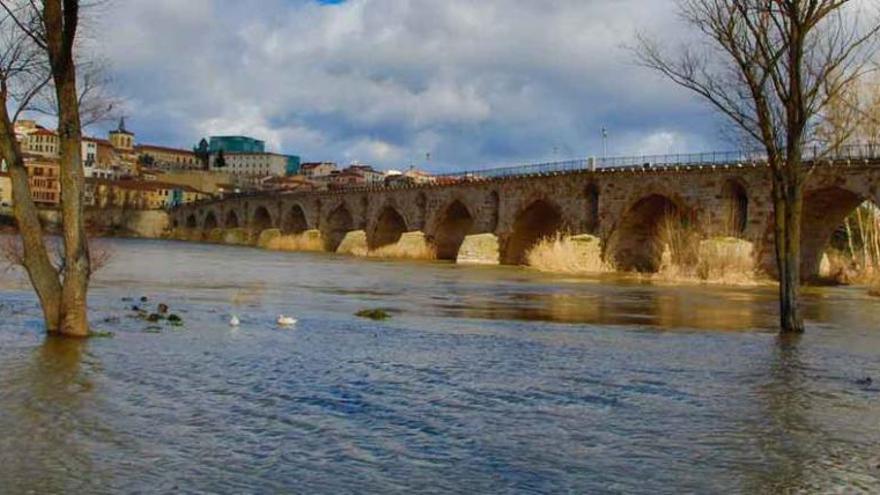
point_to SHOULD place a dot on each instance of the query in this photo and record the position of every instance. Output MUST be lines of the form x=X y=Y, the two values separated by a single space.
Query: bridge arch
x=295 y=221
x=635 y=244
x=191 y=221
x=736 y=208
x=456 y=222
x=540 y=219
x=231 y=221
x=825 y=211
x=210 y=222
x=389 y=228
x=262 y=219
x=338 y=224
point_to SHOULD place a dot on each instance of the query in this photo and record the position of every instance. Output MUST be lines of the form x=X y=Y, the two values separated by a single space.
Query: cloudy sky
x=473 y=83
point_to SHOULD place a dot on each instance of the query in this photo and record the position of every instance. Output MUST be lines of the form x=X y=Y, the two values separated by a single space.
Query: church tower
x=121 y=139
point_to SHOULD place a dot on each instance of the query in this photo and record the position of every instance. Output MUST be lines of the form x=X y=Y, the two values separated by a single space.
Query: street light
x=604 y=143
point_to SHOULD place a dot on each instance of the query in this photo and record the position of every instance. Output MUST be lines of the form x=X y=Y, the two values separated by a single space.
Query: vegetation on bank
x=854 y=253
x=685 y=255
x=575 y=255
x=689 y=255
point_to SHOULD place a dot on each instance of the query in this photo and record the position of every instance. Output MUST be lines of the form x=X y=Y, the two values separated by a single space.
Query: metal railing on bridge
x=709 y=159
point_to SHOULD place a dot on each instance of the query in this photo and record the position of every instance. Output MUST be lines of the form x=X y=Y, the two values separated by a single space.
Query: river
x=486 y=380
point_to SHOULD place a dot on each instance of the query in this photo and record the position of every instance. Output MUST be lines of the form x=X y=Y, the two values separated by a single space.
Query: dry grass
x=726 y=260
x=687 y=256
x=562 y=253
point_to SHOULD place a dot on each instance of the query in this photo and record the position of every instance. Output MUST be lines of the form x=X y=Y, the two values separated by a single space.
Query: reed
x=688 y=256
x=561 y=253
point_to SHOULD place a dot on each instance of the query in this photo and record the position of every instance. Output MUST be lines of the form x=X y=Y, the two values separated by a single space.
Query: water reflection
x=785 y=400
x=42 y=421
x=629 y=305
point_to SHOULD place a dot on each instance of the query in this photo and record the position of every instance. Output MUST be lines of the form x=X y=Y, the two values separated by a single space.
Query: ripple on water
x=485 y=381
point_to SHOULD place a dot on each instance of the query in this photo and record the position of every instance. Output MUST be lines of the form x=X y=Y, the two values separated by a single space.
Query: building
x=42 y=142
x=289 y=183
x=139 y=194
x=201 y=180
x=236 y=144
x=250 y=164
x=419 y=176
x=314 y=170
x=363 y=175
x=43 y=180
x=246 y=157
x=126 y=158
x=164 y=158
x=370 y=175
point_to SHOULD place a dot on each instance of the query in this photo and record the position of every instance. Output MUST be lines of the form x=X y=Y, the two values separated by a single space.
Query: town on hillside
x=122 y=173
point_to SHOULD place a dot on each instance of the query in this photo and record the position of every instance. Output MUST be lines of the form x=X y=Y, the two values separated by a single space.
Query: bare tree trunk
x=863 y=231
x=61 y=24
x=849 y=241
x=788 y=204
x=36 y=260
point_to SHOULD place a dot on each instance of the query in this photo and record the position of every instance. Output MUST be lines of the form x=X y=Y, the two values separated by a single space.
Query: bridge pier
x=354 y=243
x=479 y=249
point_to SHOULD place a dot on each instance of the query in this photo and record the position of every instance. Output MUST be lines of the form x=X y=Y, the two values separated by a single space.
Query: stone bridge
x=495 y=219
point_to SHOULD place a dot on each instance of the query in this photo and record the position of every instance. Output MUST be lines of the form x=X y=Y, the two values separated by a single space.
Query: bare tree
x=97 y=103
x=771 y=67
x=853 y=115
x=40 y=36
x=12 y=254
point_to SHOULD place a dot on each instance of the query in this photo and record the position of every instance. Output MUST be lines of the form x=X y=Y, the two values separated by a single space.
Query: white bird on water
x=234 y=321
x=285 y=321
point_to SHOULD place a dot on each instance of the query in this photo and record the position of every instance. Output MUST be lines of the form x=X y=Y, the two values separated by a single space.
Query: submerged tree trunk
x=788 y=200
x=61 y=25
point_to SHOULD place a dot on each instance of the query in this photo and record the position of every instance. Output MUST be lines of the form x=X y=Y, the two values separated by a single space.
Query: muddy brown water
x=486 y=380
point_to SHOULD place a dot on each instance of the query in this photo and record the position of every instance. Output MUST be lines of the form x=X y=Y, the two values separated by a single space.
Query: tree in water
x=38 y=55
x=771 y=67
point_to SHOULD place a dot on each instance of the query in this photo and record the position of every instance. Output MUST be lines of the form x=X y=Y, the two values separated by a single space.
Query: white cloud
x=473 y=83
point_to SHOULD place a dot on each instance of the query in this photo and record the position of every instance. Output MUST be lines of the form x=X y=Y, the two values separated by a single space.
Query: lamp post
x=604 y=143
